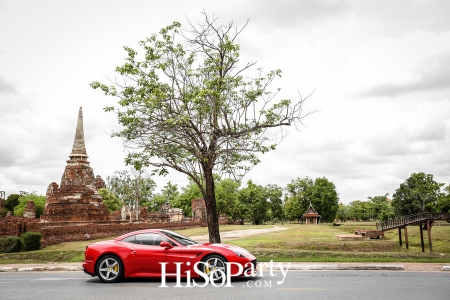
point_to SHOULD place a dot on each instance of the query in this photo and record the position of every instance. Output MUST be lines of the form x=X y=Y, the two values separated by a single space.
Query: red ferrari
x=157 y=252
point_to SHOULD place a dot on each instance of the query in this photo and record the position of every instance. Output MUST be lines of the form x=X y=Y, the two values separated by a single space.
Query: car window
x=179 y=238
x=130 y=239
x=149 y=239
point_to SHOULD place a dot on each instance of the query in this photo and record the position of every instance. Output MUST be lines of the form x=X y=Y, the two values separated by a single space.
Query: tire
x=215 y=263
x=109 y=269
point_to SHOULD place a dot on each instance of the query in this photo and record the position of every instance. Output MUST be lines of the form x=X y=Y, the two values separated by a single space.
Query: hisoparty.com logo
x=224 y=276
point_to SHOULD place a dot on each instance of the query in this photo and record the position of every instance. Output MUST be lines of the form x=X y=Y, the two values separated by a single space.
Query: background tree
x=186 y=105
x=321 y=193
x=226 y=195
x=254 y=197
x=170 y=191
x=274 y=196
x=134 y=188
x=12 y=201
x=110 y=200
x=419 y=193
x=325 y=199
x=299 y=196
x=168 y=195
x=357 y=210
x=157 y=202
x=342 y=213
x=444 y=200
x=184 y=199
x=379 y=208
x=39 y=203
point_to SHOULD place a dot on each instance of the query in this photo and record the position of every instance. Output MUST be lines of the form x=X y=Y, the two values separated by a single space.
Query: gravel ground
x=236 y=234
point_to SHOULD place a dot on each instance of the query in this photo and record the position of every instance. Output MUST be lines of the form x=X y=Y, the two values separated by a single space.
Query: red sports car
x=158 y=252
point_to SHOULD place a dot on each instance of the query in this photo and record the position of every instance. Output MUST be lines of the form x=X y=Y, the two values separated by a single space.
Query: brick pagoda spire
x=79 y=147
x=77 y=198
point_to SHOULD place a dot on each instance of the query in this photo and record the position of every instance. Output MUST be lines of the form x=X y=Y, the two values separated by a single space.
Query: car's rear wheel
x=110 y=269
x=215 y=265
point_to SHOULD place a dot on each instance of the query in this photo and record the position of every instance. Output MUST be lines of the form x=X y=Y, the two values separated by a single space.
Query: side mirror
x=166 y=245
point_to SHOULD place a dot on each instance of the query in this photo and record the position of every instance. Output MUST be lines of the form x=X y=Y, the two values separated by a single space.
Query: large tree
x=226 y=195
x=379 y=207
x=419 y=193
x=275 y=195
x=186 y=105
x=321 y=193
x=325 y=199
x=254 y=198
x=298 y=197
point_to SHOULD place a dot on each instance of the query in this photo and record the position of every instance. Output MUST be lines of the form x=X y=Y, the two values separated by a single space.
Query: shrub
x=31 y=240
x=11 y=244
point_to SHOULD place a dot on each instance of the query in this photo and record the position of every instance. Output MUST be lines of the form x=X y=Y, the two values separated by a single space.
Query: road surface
x=296 y=285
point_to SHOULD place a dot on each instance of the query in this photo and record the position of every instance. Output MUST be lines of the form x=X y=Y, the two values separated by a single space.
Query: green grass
x=300 y=243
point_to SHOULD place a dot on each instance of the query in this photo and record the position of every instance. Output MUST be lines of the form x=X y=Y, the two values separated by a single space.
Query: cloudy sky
x=380 y=71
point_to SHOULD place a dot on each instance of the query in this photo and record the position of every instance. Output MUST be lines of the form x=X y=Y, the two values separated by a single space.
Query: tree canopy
x=419 y=193
x=39 y=204
x=185 y=104
x=321 y=193
x=12 y=201
x=133 y=187
x=254 y=200
x=110 y=200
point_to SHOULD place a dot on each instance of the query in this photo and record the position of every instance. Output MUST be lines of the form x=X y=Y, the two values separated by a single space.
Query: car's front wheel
x=110 y=269
x=214 y=265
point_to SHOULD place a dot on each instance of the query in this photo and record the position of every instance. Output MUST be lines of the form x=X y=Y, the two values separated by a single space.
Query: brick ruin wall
x=83 y=232
x=60 y=232
x=55 y=233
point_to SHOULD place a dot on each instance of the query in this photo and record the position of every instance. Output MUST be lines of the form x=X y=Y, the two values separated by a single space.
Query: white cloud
x=432 y=72
x=380 y=70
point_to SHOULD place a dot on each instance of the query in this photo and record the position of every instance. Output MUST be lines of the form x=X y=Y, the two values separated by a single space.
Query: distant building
x=311 y=216
x=175 y=214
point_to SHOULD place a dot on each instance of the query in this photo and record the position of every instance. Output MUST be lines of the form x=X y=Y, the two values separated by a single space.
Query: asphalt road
x=297 y=285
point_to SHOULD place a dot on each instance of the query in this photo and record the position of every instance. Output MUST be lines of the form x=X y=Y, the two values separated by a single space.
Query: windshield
x=179 y=238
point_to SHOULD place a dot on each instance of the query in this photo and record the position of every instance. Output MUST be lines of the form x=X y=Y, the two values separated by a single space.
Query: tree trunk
x=211 y=213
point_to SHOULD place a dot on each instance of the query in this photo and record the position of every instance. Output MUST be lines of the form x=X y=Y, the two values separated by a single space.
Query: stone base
x=61 y=212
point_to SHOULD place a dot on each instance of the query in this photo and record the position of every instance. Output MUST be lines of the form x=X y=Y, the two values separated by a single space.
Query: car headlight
x=239 y=254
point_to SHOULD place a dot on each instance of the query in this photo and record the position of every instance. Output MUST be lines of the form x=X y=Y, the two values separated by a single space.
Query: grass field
x=300 y=243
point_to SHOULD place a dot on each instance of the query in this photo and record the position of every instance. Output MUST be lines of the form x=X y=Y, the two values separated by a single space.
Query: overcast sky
x=380 y=71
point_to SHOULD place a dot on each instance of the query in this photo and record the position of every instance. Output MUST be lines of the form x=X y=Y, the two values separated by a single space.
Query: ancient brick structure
x=175 y=214
x=59 y=232
x=199 y=210
x=76 y=199
x=99 y=182
x=30 y=210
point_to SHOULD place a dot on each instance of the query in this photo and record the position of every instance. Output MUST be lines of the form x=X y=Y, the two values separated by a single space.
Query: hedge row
x=27 y=241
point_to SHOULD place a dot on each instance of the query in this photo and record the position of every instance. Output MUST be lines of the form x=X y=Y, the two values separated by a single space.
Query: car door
x=147 y=254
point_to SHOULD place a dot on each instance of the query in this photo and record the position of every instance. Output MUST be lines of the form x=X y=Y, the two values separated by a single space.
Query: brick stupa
x=77 y=198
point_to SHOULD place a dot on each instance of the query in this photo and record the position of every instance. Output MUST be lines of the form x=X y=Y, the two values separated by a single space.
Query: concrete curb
x=40 y=269
x=292 y=266
x=341 y=267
